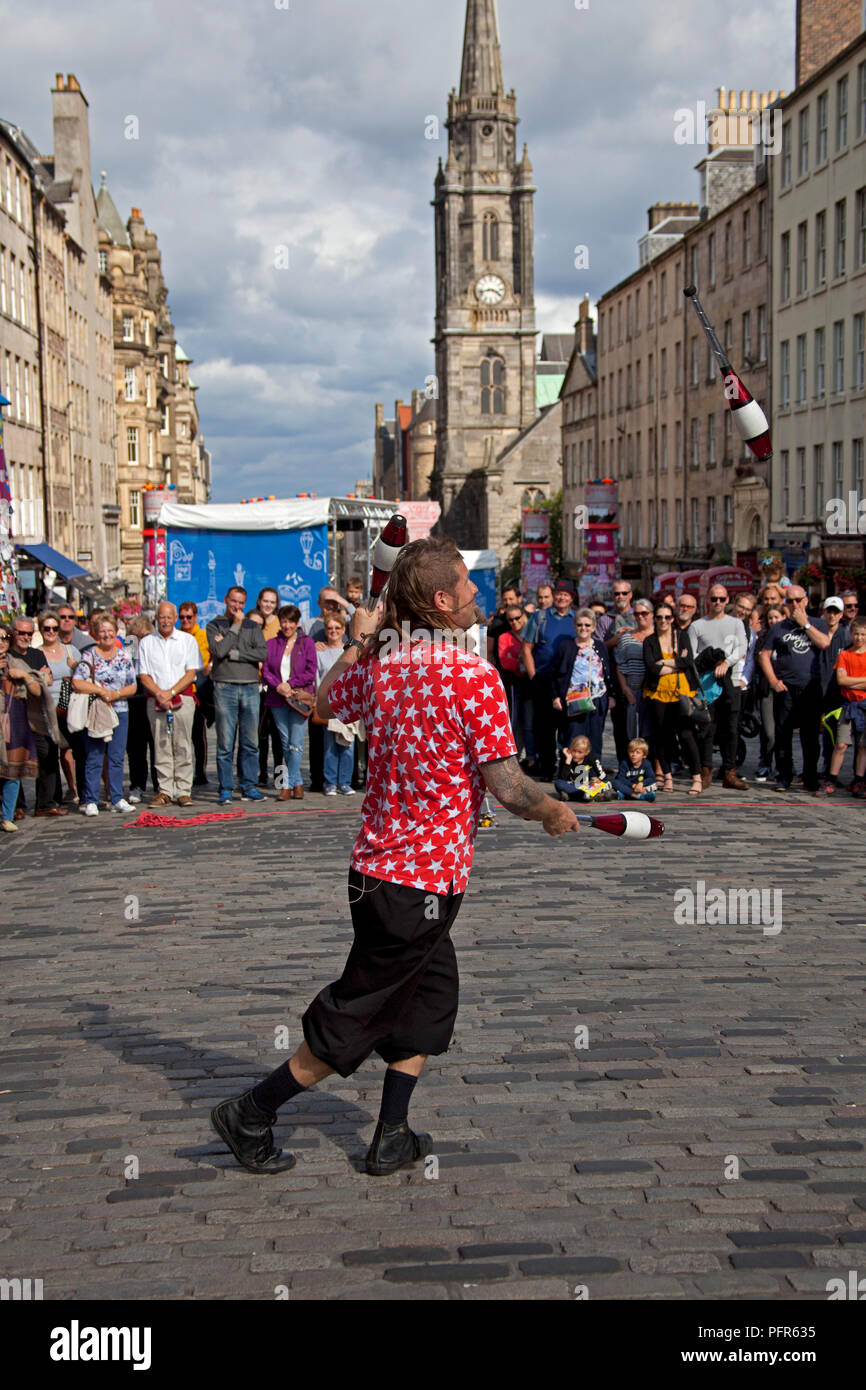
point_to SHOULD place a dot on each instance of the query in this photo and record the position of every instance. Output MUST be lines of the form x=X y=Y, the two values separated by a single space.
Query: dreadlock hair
x=421 y=569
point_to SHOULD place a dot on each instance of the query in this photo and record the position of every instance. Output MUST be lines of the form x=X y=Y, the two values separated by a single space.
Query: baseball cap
x=563 y=586
x=834 y=602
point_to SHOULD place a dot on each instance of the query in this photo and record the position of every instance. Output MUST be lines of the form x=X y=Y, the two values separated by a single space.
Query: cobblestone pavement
x=603 y=1162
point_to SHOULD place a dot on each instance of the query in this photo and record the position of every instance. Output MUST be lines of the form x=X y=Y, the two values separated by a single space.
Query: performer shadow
x=321 y=1112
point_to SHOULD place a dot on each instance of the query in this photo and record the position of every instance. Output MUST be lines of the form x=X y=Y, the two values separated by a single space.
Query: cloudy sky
x=301 y=124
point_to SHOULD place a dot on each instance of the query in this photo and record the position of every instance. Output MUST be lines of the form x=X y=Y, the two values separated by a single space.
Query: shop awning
x=54 y=560
x=82 y=579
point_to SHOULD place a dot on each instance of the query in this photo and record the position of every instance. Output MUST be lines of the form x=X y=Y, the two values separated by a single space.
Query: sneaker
x=330 y=791
x=826 y=789
x=122 y=807
x=782 y=786
x=91 y=809
x=858 y=787
x=225 y=799
x=10 y=827
x=345 y=791
x=136 y=794
x=762 y=774
x=253 y=795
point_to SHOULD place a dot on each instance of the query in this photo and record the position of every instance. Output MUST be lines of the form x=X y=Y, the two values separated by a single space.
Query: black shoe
x=393 y=1147
x=246 y=1130
x=200 y=781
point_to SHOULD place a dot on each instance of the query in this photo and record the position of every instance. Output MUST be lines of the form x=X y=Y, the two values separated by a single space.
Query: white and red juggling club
x=631 y=825
x=749 y=418
x=385 y=552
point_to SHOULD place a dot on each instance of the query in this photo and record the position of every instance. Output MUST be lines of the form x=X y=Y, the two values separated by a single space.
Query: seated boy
x=581 y=777
x=636 y=780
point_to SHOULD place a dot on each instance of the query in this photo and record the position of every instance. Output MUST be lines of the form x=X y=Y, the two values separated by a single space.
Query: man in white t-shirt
x=727 y=635
x=167 y=664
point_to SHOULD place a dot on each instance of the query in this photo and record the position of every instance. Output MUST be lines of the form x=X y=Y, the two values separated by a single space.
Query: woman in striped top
x=631 y=670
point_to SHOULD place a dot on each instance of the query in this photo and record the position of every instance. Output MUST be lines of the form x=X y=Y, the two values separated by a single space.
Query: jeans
x=589 y=725
x=338 y=762
x=237 y=716
x=798 y=706
x=10 y=798
x=290 y=727
x=114 y=749
x=724 y=721
x=49 y=787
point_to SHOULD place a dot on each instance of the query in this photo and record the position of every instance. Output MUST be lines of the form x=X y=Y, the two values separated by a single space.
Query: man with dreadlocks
x=439 y=734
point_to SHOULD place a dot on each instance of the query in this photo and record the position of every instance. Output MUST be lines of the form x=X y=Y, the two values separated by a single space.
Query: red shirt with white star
x=434 y=715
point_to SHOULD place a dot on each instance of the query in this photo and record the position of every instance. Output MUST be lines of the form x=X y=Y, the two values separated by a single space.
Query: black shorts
x=398 y=993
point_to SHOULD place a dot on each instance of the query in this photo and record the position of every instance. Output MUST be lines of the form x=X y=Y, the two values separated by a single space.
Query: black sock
x=396 y=1095
x=276 y=1089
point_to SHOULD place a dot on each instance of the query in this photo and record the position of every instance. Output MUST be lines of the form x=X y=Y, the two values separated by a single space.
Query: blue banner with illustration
x=202 y=565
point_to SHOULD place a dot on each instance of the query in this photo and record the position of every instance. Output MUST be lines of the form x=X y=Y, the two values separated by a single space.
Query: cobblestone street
x=606 y=1160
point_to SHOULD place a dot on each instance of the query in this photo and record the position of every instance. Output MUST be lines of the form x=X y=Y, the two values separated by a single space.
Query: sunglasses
x=23 y=632
x=717 y=598
x=50 y=627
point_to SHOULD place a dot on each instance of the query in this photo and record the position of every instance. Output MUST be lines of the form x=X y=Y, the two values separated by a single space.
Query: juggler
x=439 y=735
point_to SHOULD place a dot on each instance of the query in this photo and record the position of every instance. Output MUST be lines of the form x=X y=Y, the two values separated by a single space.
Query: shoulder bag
x=79 y=705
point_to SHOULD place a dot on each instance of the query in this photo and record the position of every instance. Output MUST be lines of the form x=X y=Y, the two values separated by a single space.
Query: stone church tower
x=485 y=304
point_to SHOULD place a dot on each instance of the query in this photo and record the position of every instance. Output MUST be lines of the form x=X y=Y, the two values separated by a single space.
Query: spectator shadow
x=207 y=1075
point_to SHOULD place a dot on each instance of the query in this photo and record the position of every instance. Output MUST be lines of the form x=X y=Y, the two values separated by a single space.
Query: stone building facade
x=818 y=187
x=688 y=495
x=485 y=306
x=158 y=440
x=20 y=356
x=579 y=434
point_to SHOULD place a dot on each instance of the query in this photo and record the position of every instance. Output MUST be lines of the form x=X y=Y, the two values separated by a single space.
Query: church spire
x=481 y=74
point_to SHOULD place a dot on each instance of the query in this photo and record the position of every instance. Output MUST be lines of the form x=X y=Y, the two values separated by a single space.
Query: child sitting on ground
x=636 y=780
x=581 y=777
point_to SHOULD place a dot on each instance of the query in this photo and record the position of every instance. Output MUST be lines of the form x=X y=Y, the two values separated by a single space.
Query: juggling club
x=749 y=418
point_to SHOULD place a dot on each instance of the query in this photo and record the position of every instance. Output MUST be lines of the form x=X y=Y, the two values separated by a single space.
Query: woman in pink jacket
x=289 y=677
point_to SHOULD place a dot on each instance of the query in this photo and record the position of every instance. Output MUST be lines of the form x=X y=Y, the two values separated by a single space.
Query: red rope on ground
x=147 y=820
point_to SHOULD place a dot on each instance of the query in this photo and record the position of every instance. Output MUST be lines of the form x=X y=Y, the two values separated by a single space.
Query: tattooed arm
x=520 y=795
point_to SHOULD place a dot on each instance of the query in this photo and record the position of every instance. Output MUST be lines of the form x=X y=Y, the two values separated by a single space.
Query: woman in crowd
x=339 y=758
x=265 y=611
x=106 y=671
x=17 y=745
x=62 y=659
x=581 y=681
x=670 y=673
x=631 y=671
x=139 y=742
x=509 y=649
x=752 y=671
x=289 y=676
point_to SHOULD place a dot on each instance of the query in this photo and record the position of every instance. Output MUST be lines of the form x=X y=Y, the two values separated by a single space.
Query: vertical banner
x=601 y=548
x=534 y=549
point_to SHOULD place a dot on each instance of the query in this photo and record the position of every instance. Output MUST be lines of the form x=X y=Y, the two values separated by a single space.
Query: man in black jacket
x=237 y=647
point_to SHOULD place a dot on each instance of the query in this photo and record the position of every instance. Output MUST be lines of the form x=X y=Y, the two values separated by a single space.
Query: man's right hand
x=362 y=623
x=558 y=818
x=779 y=688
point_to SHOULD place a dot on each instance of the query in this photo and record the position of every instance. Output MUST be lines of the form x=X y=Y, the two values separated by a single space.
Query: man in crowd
x=439 y=735
x=609 y=631
x=539 y=640
x=727 y=634
x=686 y=612
x=544 y=596
x=840 y=641
x=850 y=606
x=204 y=710
x=330 y=601
x=237 y=647
x=499 y=623
x=70 y=633
x=168 y=661
x=794 y=677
